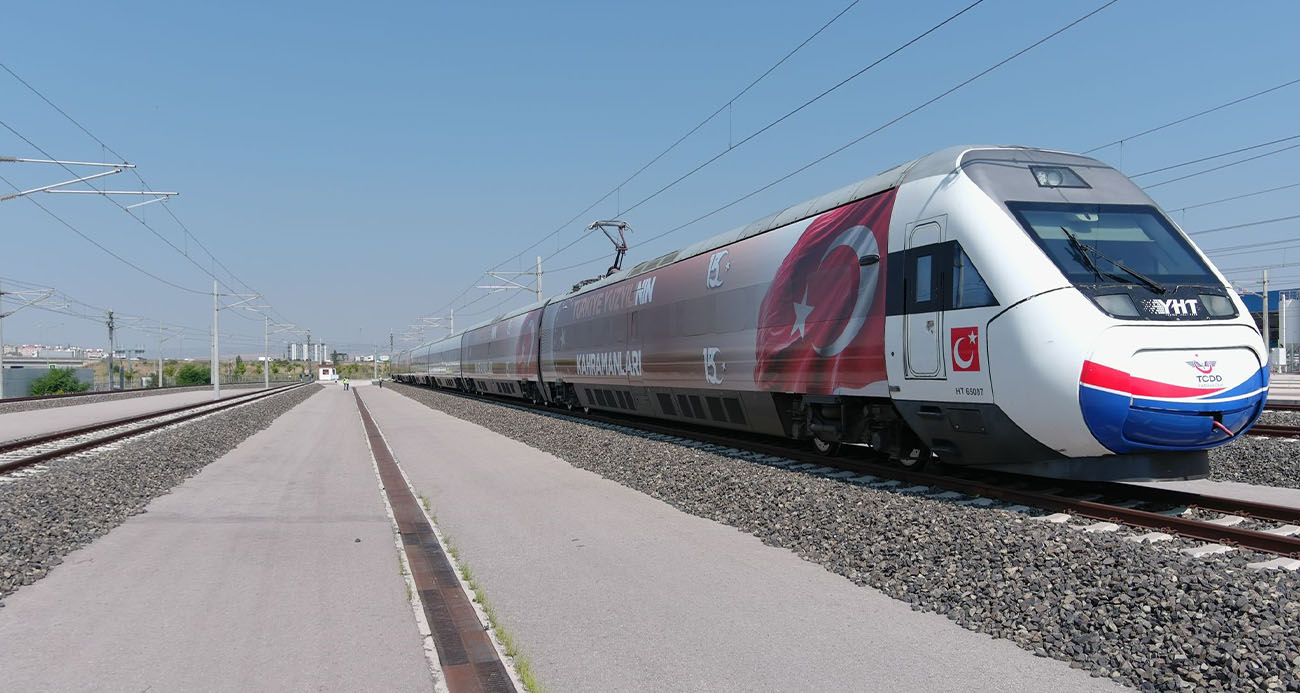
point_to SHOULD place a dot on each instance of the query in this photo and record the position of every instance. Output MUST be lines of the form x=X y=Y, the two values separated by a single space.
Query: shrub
x=59 y=381
x=192 y=374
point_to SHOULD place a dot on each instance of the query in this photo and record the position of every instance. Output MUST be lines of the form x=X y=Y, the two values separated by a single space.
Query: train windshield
x=1113 y=244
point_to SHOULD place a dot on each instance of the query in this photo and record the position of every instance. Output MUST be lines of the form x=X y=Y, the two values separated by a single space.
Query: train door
x=923 y=302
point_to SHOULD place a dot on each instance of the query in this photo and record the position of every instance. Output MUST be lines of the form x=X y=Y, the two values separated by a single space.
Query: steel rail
x=1182 y=526
x=223 y=404
x=93 y=393
x=1274 y=431
x=19 y=443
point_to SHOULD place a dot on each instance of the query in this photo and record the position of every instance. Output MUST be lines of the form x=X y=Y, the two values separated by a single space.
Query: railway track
x=1274 y=431
x=25 y=452
x=127 y=391
x=1279 y=406
x=1158 y=510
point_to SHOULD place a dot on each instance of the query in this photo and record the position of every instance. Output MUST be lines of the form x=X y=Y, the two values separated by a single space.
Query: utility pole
x=160 y=358
x=1282 y=305
x=1268 y=345
x=308 y=355
x=213 y=370
x=112 y=346
x=266 y=355
x=3 y=315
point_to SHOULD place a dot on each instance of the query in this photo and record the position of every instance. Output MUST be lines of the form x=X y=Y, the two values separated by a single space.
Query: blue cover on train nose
x=1130 y=414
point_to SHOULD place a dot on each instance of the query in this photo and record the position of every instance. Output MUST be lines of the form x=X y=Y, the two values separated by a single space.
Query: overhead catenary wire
x=1220 y=167
x=1214 y=156
x=161 y=237
x=1193 y=116
x=61 y=303
x=1243 y=225
x=868 y=134
x=709 y=118
x=1247 y=248
x=804 y=105
x=1233 y=198
x=731 y=146
x=102 y=247
x=144 y=183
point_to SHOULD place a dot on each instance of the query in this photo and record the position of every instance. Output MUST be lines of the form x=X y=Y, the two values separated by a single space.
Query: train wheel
x=915 y=460
x=826 y=448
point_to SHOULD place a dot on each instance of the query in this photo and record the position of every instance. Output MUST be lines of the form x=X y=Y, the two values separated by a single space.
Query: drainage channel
x=468 y=659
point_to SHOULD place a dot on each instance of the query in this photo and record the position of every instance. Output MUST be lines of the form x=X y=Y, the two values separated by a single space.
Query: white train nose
x=1142 y=389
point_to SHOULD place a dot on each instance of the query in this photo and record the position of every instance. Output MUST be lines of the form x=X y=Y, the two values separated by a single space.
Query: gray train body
x=947 y=306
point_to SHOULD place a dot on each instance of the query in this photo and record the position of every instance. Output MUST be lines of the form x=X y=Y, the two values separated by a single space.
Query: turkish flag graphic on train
x=965 y=348
x=821 y=326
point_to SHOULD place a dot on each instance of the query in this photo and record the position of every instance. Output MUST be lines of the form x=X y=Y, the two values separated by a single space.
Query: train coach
x=1004 y=307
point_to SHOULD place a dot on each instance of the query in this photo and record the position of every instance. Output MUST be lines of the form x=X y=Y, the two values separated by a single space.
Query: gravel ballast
x=1141 y=614
x=1258 y=460
x=50 y=512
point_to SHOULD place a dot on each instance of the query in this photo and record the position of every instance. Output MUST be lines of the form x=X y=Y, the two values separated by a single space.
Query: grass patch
x=523 y=666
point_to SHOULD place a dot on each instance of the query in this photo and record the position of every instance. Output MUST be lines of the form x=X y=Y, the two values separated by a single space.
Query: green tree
x=240 y=368
x=191 y=374
x=58 y=381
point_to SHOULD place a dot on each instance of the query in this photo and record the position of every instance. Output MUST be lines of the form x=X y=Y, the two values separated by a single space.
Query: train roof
x=936 y=163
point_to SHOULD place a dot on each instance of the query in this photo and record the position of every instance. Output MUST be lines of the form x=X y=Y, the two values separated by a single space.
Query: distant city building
x=52 y=351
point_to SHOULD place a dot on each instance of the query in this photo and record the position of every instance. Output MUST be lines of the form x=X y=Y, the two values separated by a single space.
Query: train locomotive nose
x=1171 y=399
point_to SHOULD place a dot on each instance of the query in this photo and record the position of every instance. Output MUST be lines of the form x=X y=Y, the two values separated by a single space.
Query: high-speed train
x=1004 y=307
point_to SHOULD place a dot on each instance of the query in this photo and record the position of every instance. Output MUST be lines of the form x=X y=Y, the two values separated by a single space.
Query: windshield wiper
x=1085 y=249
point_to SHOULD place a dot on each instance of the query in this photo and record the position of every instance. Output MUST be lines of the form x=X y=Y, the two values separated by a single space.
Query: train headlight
x=1057 y=177
x=1119 y=305
x=1218 y=306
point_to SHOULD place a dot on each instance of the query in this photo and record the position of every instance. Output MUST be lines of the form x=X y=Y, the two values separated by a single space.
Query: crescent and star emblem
x=863 y=242
x=965 y=363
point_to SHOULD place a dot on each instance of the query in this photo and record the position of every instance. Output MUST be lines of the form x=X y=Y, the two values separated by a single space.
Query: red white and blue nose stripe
x=1127 y=413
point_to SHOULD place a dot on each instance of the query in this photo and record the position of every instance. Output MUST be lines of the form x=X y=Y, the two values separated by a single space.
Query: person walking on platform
x=345 y=384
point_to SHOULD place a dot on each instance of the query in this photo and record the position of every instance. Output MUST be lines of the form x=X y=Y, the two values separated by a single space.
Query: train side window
x=922 y=280
x=968 y=288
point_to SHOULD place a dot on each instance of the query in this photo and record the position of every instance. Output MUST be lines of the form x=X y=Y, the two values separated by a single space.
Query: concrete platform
x=248 y=576
x=1284 y=388
x=608 y=589
x=23 y=424
x=1275 y=495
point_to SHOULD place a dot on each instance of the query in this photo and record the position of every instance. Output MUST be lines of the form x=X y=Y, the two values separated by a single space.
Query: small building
x=326 y=372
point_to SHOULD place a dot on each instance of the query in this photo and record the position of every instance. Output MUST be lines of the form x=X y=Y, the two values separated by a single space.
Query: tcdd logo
x=965 y=348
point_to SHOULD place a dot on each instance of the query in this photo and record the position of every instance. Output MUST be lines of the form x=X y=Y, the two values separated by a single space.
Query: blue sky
x=362 y=166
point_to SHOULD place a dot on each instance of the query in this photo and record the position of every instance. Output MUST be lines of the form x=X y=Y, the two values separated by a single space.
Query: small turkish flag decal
x=965 y=348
